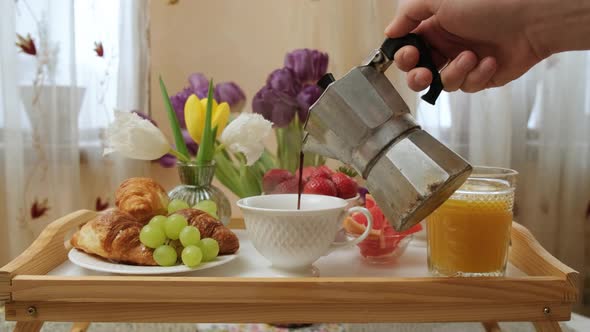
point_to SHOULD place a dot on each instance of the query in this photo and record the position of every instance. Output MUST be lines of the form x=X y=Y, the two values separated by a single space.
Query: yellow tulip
x=220 y=117
x=204 y=103
x=194 y=116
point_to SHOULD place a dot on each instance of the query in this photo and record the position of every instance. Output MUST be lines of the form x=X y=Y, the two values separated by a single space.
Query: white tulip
x=135 y=138
x=245 y=134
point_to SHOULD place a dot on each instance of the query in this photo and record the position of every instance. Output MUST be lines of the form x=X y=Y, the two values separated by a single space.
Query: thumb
x=409 y=15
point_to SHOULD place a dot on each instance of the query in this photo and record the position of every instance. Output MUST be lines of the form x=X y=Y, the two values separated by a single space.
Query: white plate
x=95 y=263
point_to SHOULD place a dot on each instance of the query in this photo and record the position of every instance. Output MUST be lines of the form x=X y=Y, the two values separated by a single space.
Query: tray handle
x=45 y=253
x=529 y=256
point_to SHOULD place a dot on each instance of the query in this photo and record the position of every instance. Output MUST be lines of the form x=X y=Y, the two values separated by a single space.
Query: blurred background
x=91 y=57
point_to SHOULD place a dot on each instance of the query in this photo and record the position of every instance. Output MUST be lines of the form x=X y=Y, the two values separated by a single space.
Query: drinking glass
x=469 y=234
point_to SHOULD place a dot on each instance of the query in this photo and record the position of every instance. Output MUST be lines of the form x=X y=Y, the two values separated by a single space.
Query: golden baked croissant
x=143 y=198
x=210 y=227
x=114 y=235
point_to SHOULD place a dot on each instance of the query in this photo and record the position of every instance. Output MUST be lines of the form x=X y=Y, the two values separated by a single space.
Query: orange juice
x=469 y=234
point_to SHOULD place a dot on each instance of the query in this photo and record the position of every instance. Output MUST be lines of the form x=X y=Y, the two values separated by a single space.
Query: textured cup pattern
x=292 y=242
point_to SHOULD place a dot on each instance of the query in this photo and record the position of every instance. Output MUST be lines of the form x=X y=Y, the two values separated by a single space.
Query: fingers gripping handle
x=392 y=45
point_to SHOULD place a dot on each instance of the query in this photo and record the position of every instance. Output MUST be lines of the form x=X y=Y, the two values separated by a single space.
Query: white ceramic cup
x=293 y=239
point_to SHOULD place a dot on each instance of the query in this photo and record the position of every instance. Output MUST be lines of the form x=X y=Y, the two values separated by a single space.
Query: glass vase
x=196 y=186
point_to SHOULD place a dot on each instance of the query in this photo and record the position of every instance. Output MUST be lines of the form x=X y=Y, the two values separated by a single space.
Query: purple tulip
x=284 y=81
x=230 y=93
x=306 y=97
x=274 y=106
x=167 y=161
x=198 y=81
x=308 y=65
x=178 y=101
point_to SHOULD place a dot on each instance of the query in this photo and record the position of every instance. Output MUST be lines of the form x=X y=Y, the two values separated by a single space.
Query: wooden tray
x=543 y=295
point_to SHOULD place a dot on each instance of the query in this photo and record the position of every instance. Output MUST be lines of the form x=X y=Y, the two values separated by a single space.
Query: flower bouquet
x=232 y=152
x=285 y=101
x=211 y=139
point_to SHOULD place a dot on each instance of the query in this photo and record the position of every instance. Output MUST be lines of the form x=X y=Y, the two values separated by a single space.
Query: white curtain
x=55 y=102
x=540 y=126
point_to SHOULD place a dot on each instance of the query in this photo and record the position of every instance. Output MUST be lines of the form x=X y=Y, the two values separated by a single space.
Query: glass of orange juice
x=469 y=234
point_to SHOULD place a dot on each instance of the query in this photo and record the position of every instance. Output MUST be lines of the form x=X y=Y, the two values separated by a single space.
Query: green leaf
x=205 y=153
x=227 y=174
x=178 y=139
x=214 y=136
x=268 y=160
x=348 y=171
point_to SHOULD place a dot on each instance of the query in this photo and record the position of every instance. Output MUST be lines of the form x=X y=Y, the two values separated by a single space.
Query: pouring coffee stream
x=362 y=121
x=300 y=181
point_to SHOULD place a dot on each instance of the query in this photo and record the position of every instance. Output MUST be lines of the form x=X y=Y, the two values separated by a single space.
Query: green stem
x=220 y=147
x=179 y=156
x=174 y=125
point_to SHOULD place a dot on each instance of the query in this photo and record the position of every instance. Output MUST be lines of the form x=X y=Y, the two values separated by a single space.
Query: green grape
x=165 y=255
x=177 y=204
x=152 y=236
x=207 y=206
x=173 y=225
x=192 y=256
x=189 y=235
x=158 y=221
x=210 y=249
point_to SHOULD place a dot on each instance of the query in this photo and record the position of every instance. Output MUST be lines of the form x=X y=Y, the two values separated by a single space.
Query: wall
x=244 y=41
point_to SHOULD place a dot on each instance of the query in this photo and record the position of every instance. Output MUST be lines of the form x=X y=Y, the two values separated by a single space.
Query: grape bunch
x=204 y=205
x=172 y=238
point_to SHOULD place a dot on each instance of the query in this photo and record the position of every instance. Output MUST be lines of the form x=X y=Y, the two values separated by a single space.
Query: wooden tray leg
x=491 y=327
x=80 y=327
x=547 y=326
x=32 y=326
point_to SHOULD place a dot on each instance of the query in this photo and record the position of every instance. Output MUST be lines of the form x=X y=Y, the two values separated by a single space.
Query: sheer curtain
x=56 y=97
x=540 y=126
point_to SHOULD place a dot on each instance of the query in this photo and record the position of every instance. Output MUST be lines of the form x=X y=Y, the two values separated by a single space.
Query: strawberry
x=326 y=169
x=307 y=170
x=320 y=186
x=290 y=186
x=347 y=187
x=273 y=178
x=319 y=173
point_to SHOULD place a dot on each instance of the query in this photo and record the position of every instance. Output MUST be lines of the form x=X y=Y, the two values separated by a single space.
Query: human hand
x=481 y=44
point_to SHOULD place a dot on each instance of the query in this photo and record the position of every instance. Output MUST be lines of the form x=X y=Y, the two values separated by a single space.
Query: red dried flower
x=100 y=205
x=27 y=45
x=38 y=210
x=99 y=49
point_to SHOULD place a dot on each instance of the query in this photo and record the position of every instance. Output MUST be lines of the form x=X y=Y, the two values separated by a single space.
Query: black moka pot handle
x=392 y=45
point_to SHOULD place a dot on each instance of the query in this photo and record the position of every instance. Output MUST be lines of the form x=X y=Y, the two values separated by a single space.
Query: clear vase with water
x=196 y=185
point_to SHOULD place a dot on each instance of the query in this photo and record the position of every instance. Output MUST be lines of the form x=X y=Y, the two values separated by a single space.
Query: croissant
x=143 y=198
x=210 y=227
x=114 y=235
